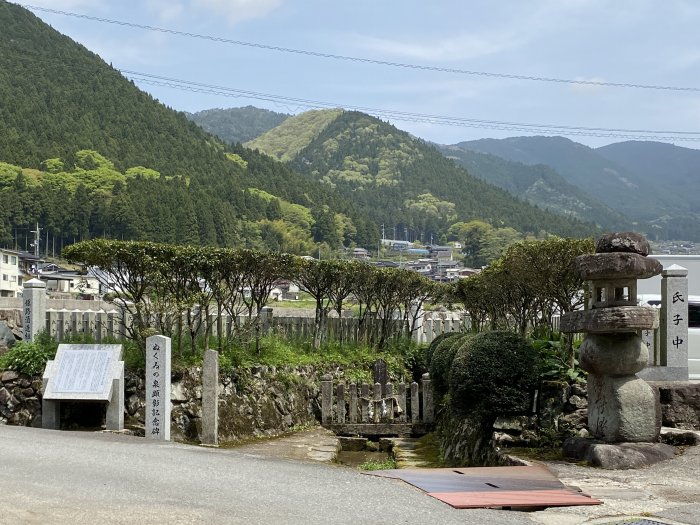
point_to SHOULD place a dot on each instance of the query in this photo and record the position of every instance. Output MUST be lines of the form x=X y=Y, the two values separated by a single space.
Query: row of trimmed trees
x=176 y=289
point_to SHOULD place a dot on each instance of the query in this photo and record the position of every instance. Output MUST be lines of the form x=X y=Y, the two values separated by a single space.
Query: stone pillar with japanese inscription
x=210 y=398
x=33 y=308
x=157 y=412
x=673 y=324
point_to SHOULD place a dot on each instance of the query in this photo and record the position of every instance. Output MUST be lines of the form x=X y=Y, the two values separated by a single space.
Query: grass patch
x=428 y=450
x=387 y=464
x=538 y=454
x=356 y=359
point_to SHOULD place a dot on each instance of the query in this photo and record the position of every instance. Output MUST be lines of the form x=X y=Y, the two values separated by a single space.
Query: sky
x=651 y=42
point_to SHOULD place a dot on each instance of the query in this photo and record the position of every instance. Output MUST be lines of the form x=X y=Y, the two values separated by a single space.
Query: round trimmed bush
x=430 y=350
x=441 y=363
x=493 y=374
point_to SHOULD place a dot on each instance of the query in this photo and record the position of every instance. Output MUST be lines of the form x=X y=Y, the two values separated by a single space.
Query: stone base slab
x=618 y=456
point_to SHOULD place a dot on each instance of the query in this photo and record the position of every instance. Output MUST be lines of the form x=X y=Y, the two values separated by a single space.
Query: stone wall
x=562 y=412
x=20 y=399
x=255 y=402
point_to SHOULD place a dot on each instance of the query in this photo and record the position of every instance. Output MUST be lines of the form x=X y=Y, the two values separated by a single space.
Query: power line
x=293 y=103
x=623 y=133
x=405 y=65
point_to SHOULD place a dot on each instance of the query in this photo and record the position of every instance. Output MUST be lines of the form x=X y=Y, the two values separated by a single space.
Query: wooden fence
x=114 y=325
x=401 y=409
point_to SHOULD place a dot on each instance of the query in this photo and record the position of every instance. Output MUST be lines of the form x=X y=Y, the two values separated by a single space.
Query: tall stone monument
x=210 y=398
x=33 y=308
x=621 y=406
x=158 y=365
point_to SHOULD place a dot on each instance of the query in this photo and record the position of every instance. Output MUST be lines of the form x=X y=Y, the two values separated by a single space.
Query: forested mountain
x=650 y=183
x=671 y=169
x=538 y=184
x=285 y=141
x=237 y=125
x=398 y=180
x=86 y=153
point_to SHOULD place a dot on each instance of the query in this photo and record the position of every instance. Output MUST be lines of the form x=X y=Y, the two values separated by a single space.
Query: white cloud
x=165 y=10
x=237 y=10
x=460 y=47
x=67 y=5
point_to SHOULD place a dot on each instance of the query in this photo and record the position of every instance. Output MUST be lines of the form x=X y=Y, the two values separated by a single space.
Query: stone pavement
x=667 y=492
x=316 y=444
x=81 y=477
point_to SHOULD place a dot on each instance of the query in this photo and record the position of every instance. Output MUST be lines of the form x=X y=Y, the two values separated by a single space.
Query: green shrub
x=441 y=363
x=494 y=374
x=27 y=358
x=435 y=343
x=554 y=364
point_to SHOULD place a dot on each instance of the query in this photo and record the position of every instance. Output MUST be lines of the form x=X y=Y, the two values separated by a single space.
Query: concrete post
x=377 y=403
x=158 y=377
x=364 y=403
x=340 y=400
x=50 y=409
x=402 y=401
x=33 y=308
x=114 y=419
x=326 y=398
x=353 y=403
x=415 y=404
x=210 y=398
x=428 y=411
x=265 y=320
x=389 y=398
x=674 y=323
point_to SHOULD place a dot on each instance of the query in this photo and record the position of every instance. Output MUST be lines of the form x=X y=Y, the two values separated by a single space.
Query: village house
x=10 y=277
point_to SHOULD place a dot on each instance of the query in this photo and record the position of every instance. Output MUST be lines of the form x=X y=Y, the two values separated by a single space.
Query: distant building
x=10 y=276
x=359 y=253
x=396 y=244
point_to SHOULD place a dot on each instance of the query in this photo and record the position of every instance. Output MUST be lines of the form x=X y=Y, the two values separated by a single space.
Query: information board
x=83 y=372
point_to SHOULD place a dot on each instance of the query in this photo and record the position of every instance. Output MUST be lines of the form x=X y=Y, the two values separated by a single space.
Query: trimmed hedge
x=430 y=350
x=494 y=374
x=441 y=363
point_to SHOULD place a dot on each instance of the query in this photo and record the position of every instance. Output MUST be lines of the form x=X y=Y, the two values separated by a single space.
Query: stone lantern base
x=622 y=409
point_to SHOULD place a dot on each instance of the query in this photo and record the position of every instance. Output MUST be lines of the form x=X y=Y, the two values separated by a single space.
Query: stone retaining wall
x=562 y=412
x=255 y=402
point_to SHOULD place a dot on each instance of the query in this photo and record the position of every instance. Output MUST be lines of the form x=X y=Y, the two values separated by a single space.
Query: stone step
x=404 y=452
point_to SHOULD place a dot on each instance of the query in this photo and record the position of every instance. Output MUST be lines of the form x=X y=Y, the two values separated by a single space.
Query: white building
x=10 y=277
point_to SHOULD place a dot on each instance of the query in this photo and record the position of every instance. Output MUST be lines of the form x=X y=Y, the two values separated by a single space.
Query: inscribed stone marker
x=674 y=322
x=157 y=412
x=381 y=375
x=210 y=398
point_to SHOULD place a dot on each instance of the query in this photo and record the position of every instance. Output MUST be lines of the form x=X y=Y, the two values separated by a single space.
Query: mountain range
x=84 y=152
x=650 y=183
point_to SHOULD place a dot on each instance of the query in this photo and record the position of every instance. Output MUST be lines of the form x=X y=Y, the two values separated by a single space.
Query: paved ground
x=668 y=491
x=76 y=477
x=51 y=477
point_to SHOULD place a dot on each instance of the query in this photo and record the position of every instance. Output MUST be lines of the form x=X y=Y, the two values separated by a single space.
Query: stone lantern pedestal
x=621 y=406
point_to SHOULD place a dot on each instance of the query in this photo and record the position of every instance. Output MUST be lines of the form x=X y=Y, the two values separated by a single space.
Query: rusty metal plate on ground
x=483 y=487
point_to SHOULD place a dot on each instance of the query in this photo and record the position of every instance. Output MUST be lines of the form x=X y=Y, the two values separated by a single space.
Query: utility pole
x=37 y=239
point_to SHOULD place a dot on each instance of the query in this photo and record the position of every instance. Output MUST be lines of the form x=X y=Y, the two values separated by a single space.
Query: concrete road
x=49 y=477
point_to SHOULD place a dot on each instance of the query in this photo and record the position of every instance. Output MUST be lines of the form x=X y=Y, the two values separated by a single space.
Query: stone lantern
x=621 y=406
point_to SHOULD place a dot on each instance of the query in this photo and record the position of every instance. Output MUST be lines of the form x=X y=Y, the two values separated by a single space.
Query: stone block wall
x=562 y=412
x=255 y=402
x=20 y=399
